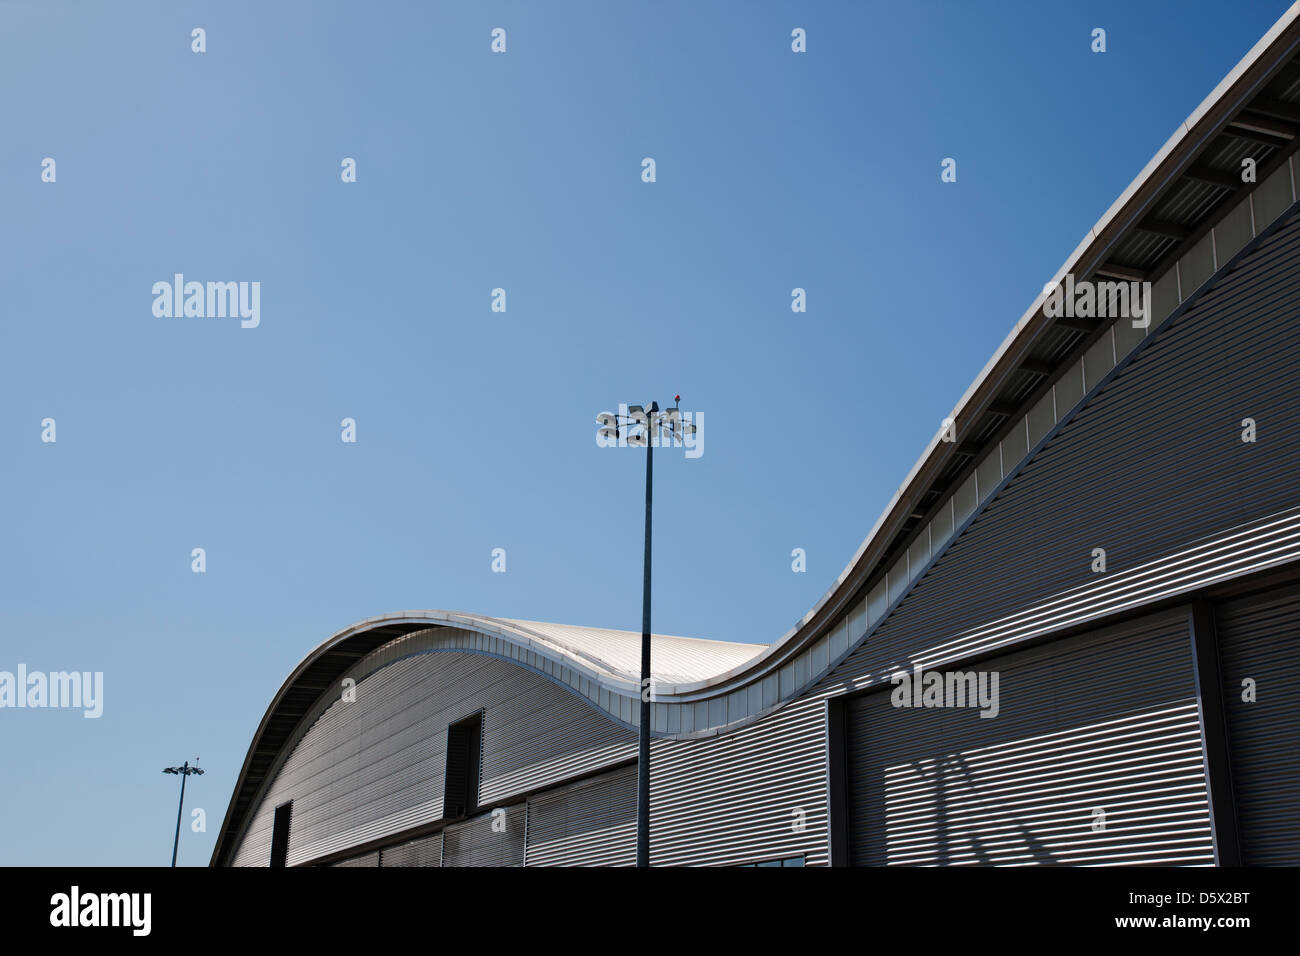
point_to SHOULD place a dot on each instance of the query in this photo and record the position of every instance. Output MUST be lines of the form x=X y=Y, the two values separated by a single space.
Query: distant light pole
x=184 y=771
x=650 y=420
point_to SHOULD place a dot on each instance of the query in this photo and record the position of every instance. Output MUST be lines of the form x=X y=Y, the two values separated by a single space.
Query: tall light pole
x=184 y=771
x=650 y=420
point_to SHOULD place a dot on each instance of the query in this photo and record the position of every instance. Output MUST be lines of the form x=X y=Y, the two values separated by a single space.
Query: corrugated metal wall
x=1093 y=756
x=374 y=767
x=426 y=851
x=757 y=793
x=1259 y=641
x=592 y=822
x=492 y=839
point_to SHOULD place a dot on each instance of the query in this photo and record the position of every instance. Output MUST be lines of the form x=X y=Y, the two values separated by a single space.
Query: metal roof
x=673 y=660
x=610 y=657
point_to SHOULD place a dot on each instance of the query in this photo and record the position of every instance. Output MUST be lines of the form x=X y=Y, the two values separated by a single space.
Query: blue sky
x=475 y=429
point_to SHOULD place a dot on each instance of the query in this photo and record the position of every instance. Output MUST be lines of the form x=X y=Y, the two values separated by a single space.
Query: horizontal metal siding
x=374 y=767
x=1259 y=640
x=591 y=823
x=1153 y=462
x=1106 y=722
x=533 y=739
x=493 y=839
x=1246 y=549
x=733 y=799
x=426 y=851
x=365 y=859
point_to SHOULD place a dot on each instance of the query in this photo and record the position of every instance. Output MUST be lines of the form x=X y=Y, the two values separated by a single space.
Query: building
x=1102 y=549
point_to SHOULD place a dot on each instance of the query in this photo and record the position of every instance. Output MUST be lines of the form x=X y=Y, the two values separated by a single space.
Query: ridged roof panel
x=674 y=660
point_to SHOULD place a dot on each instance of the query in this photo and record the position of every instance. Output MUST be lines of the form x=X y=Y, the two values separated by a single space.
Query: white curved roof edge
x=600 y=654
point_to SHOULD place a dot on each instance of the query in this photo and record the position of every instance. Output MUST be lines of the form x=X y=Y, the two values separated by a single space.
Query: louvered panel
x=732 y=799
x=592 y=823
x=1094 y=757
x=375 y=767
x=486 y=840
x=426 y=851
x=365 y=859
x=1259 y=639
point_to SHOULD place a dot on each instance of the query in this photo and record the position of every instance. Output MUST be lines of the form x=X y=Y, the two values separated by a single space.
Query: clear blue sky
x=476 y=429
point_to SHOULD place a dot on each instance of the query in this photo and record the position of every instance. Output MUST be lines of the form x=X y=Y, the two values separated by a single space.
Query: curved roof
x=1187 y=186
x=673 y=660
x=587 y=656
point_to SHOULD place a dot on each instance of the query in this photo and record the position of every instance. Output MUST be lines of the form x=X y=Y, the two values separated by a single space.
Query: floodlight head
x=654 y=407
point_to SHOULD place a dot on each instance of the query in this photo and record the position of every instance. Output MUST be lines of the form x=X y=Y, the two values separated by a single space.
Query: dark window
x=464 y=745
x=280 y=834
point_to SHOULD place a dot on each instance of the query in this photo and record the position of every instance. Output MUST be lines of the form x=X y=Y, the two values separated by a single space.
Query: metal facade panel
x=1093 y=757
x=1259 y=641
x=426 y=851
x=589 y=823
x=1243 y=550
x=750 y=795
x=492 y=839
x=375 y=766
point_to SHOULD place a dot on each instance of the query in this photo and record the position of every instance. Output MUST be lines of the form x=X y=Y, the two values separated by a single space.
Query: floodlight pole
x=184 y=771
x=611 y=428
x=643 y=759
